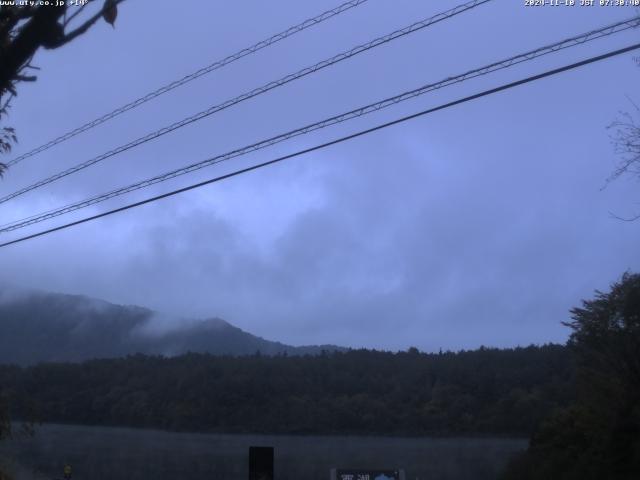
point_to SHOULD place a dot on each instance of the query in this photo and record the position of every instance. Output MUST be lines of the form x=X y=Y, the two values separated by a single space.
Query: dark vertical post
x=260 y=463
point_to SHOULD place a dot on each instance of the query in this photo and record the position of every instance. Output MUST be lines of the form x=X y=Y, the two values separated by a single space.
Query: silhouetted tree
x=599 y=435
x=24 y=29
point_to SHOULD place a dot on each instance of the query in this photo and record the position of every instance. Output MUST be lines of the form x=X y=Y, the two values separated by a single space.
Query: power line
x=484 y=93
x=514 y=60
x=192 y=76
x=253 y=93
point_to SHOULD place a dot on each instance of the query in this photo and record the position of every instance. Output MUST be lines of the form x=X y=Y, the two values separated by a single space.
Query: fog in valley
x=107 y=453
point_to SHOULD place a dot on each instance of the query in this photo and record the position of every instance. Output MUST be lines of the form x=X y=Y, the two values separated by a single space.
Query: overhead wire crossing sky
x=318 y=19
x=396 y=34
x=299 y=153
x=343 y=117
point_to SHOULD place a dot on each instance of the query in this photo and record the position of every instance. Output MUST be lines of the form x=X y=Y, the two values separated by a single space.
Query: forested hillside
x=486 y=391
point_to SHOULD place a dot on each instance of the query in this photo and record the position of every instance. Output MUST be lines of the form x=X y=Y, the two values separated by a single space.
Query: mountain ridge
x=38 y=326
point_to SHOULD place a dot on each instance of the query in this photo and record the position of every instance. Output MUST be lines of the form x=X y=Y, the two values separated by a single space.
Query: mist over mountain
x=39 y=326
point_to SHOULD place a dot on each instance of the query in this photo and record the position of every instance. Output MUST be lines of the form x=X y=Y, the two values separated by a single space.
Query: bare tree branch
x=87 y=24
x=26 y=78
x=626 y=143
x=75 y=14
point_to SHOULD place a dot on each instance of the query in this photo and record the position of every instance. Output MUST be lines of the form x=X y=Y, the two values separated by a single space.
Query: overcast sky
x=479 y=225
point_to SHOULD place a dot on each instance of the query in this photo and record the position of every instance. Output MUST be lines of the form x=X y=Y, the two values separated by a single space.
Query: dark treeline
x=486 y=391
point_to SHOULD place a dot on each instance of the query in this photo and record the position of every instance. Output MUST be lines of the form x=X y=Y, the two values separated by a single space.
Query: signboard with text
x=365 y=474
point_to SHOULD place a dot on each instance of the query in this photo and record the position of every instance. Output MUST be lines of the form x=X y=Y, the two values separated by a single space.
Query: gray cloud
x=481 y=224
